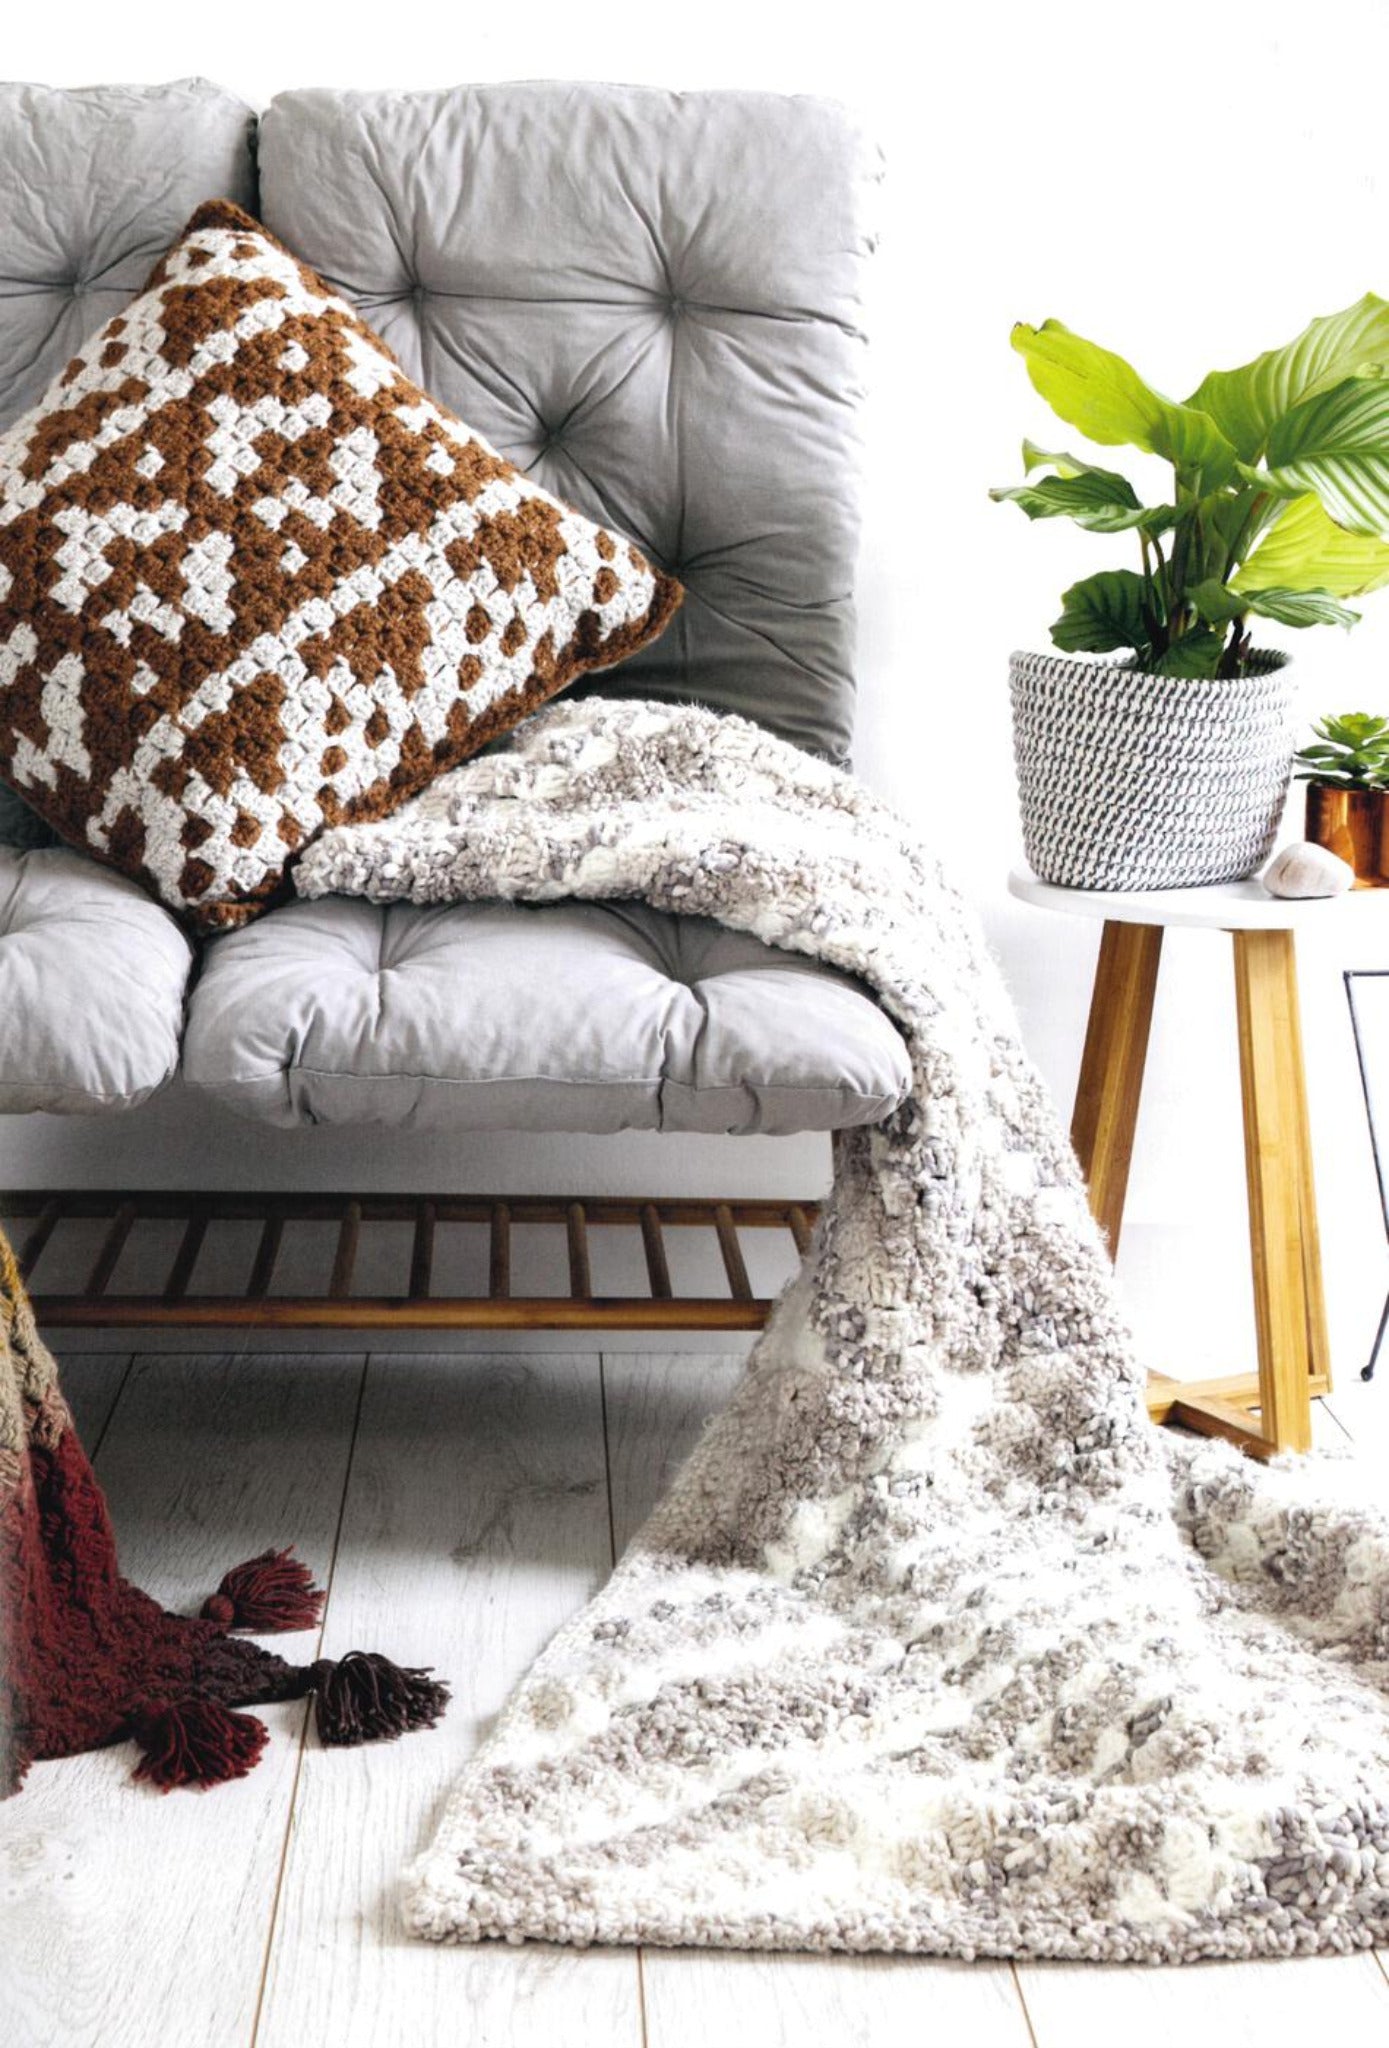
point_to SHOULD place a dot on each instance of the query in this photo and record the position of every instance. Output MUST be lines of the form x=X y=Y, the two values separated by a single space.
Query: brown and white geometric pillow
x=253 y=581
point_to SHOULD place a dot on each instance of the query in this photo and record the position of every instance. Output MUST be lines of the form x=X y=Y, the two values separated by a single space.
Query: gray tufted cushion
x=564 y=1017
x=648 y=300
x=92 y=977
x=98 y=182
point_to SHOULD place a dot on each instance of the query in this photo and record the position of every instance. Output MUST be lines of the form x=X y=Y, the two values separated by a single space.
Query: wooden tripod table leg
x=1286 y=1254
x=1283 y=1238
x=1111 y=1068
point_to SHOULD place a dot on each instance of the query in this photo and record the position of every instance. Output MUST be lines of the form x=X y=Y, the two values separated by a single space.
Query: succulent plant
x=1350 y=752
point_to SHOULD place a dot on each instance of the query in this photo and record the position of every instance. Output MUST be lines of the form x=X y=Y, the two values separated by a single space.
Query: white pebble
x=1306 y=869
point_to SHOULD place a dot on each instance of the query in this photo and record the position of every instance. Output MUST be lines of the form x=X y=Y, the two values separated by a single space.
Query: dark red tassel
x=196 y=1742
x=363 y=1697
x=269 y=1593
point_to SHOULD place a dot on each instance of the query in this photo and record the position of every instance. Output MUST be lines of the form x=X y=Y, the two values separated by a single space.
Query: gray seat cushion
x=92 y=979
x=559 y=1017
x=651 y=302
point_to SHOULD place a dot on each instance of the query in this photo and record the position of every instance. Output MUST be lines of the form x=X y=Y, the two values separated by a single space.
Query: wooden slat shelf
x=333 y=1305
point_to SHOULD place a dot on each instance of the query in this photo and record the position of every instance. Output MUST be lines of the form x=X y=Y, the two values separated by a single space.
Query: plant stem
x=1161 y=577
x=1176 y=593
x=1155 y=581
x=1236 y=648
x=1255 y=513
x=1147 y=573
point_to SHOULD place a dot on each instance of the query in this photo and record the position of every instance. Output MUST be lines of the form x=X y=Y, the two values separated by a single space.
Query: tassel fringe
x=363 y=1697
x=270 y=1593
x=196 y=1742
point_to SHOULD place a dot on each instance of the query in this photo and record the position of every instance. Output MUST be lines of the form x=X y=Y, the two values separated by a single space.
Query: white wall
x=1188 y=185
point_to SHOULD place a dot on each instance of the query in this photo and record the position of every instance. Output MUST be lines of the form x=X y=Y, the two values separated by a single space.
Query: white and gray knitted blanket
x=936 y=1644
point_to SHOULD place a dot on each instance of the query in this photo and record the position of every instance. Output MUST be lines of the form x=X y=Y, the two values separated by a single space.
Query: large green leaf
x=1217 y=603
x=1194 y=654
x=1247 y=403
x=1034 y=457
x=1226 y=527
x=1096 y=499
x=1337 y=444
x=1305 y=550
x=1101 y=500
x=1106 y=399
x=1300 y=607
x=1102 y=613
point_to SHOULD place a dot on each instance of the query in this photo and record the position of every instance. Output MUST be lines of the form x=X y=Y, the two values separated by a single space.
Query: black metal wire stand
x=1350 y=977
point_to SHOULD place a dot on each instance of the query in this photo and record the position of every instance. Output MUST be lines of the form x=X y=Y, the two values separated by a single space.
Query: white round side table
x=1271 y=1410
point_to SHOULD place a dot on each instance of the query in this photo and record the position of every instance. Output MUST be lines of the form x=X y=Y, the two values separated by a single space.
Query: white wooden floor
x=459 y=1507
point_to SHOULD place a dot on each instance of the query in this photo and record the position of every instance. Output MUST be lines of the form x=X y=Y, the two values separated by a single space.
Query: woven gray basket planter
x=1134 y=781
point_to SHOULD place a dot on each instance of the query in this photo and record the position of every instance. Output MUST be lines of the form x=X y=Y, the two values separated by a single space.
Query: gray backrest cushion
x=651 y=302
x=97 y=183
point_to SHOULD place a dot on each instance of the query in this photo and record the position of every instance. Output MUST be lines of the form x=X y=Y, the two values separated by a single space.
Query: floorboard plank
x=698 y=1996
x=656 y=1405
x=1280 y=2004
x=1361 y=1410
x=131 y=1919
x=476 y=1521
x=91 y=1383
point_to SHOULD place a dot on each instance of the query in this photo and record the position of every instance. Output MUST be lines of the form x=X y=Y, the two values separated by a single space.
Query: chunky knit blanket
x=936 y=1644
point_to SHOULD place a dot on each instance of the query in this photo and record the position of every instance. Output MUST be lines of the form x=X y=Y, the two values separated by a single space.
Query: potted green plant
x=1170 y=765
x=1346 y=770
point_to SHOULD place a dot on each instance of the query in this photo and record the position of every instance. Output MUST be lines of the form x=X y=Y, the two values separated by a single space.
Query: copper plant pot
x=1355 y=824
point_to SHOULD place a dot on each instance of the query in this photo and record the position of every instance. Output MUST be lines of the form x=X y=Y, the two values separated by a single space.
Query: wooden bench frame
x=1286 y=1260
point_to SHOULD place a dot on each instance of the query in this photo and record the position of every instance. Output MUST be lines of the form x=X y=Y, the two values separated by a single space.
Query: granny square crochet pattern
x=254 y=581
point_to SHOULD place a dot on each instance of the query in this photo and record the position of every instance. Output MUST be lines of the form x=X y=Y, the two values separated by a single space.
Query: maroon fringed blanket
x=88 y=1659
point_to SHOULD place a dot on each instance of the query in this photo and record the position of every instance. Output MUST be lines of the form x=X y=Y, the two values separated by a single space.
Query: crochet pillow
x=254 y=581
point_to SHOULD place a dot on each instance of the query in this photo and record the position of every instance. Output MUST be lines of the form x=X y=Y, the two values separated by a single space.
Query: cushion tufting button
x=77 y=288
